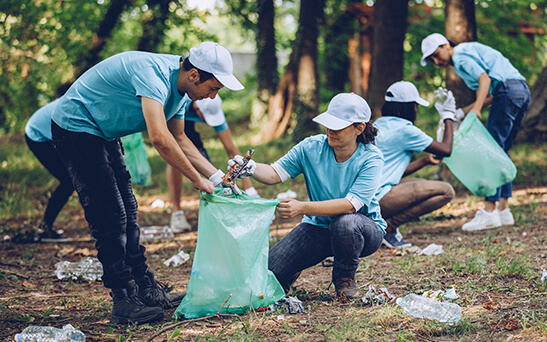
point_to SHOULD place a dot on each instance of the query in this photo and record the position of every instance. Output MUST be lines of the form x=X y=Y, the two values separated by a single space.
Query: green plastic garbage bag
x=230 y=268
x=136 y=159
x=477 y=160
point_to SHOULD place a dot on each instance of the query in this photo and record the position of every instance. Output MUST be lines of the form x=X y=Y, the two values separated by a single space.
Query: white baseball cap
x=404 y=91
x=430 y=44
x=214 y=58
x=343 y=110
x=212 y=111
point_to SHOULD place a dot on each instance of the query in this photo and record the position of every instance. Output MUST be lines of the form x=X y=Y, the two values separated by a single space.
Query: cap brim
x=331 y=122
x=214 y=120
x=230 y=82
x=422 y=102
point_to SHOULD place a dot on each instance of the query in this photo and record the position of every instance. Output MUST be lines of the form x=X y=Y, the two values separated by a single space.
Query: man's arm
x=166 y=145
x=483 y=99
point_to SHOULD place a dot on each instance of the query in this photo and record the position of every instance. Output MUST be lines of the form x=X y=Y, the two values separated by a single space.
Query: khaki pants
x=412 y=198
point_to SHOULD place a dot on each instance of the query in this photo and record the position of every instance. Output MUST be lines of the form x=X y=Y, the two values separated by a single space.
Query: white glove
x=446 y=108
x=249 y=169
x=216 y=178
x=460 y=115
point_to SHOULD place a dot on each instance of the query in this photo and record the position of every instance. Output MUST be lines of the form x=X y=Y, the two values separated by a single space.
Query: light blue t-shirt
x=192 y=115
x=397 y=138
x=327 y=179
x=38 y=127
x=106 y=100
x=473 y=59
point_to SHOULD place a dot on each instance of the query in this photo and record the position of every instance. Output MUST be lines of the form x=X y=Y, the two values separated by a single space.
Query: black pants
x=102 y=181
x=193 y=135
x=52 y=162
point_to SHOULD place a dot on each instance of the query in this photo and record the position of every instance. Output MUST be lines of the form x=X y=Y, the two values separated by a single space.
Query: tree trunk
x=460 y=26
x=534 y=126
x=390 y=23
x=298 y=88
x=153 y=25
x=266 y=61
x=92 y=56
x=307 y=84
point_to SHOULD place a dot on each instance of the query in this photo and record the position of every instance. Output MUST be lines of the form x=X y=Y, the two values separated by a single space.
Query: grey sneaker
x=483 y=220
x=179 y=223
x=346 y=286
x=506 y=217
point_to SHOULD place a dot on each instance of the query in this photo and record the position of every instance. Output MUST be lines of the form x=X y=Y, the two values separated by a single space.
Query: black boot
x=154 y=293
x=128 y=308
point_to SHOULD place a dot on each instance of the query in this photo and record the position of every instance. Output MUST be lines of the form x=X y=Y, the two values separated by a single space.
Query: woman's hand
x=289 y=208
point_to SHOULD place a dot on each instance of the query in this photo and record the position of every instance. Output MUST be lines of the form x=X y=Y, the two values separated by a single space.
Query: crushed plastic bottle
x=423 y=307
x=156 y=233
x=50 y=334
x=88 y=268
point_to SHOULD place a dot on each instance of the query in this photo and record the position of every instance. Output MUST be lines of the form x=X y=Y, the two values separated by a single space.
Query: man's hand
x=433 y=160
x=289 y=208
x=204 y=185
x=218 y=182
x=459 y=114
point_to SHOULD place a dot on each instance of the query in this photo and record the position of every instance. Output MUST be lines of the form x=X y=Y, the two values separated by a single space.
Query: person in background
x=38 y=138
x=406 y=199
x=210 y=112
x=127 y=93
x=342 y=171
x=497 y=84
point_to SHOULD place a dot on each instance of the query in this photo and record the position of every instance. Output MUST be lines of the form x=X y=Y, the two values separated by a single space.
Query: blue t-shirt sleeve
x=414 y=139
x=146 y=84
x=222 y=127
x=291 y=162
x=368 y=179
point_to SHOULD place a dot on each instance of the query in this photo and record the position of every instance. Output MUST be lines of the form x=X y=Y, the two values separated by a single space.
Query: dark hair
x=368 y=134
x=203 y=75
x=405 y=110
x=62 y=89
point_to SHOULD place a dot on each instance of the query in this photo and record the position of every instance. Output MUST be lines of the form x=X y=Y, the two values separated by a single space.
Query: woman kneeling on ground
x=342 y=171
x=404 y=200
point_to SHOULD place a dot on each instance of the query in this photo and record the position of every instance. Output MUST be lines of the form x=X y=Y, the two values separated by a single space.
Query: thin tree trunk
x=266 y=61
x=460 y=26
x=297 y=91
x=153 y=25
x=92 y=56
x=390 y=23
x=534 y=126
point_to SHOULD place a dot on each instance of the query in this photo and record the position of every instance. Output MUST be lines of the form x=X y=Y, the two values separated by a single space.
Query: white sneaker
x=483 y=220
x=179 y=224
x=506 y=217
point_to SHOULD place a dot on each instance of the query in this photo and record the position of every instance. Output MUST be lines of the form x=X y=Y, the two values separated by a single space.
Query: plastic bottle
x=47 y=334
x=87 y=268
x=156 y=233
x=423 y=307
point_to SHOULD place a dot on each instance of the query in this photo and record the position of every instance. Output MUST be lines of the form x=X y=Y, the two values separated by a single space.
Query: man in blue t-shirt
x=127 y=93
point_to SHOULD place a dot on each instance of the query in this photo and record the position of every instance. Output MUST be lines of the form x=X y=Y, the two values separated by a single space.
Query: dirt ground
x=30 y=294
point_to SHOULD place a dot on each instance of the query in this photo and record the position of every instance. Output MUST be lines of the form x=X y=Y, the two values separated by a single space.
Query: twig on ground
x=169 y=327
x=15 y=274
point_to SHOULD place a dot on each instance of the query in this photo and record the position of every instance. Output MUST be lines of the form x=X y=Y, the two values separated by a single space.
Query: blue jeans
x=103 y=183
x=348 y=238
x=509 y=107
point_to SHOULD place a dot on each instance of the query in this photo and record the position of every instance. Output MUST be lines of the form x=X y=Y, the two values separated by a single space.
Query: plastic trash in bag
x=477 y=160
x=230 y=268
x=136 y=159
